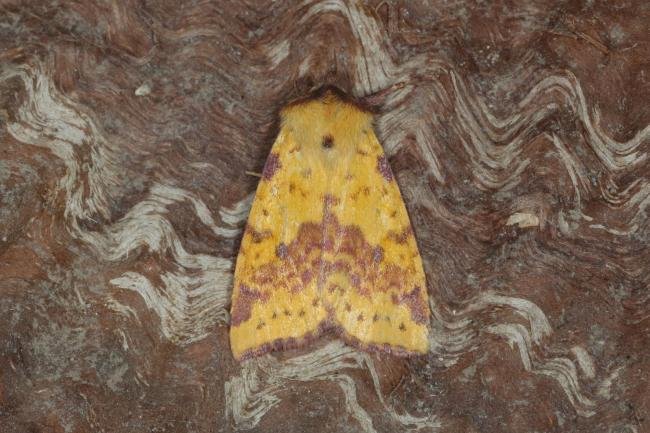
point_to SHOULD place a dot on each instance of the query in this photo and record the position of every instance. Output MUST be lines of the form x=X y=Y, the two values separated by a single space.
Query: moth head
x=330 y=121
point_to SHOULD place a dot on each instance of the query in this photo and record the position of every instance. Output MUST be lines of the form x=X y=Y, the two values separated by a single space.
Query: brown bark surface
x=517 y=131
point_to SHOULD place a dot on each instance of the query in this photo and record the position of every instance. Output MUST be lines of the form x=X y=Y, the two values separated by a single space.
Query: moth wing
x=381 y=299
x=275 y=301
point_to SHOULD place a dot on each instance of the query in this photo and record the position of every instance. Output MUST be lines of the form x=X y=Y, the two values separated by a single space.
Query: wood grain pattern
x=518 y=134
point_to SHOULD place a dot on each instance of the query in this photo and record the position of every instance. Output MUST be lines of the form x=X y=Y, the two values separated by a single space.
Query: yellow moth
x=328 y=245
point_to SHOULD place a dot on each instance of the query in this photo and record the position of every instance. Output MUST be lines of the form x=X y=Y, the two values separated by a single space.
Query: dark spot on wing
x=272 y=165
x=282 y=251
x=384 y=168
x=257 y=236
x=328 y=142
x=378 y=254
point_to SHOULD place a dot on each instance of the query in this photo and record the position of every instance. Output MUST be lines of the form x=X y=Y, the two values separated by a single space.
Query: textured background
x=518 y=132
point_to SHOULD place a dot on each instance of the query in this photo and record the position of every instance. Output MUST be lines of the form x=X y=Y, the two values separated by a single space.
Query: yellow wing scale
x=328 y=242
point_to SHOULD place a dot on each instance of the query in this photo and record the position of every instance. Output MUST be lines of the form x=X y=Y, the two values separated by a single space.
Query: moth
x=328 y=246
